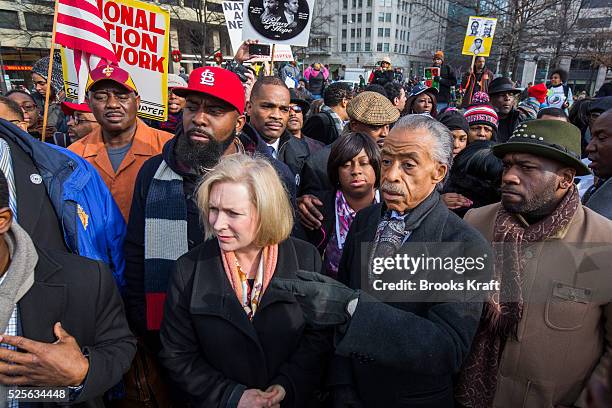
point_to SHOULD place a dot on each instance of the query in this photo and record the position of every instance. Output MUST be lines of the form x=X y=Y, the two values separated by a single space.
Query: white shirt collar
x=275 y=146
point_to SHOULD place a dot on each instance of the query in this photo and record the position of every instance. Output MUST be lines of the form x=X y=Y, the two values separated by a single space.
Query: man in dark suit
x=400 y=349
x=62 y=319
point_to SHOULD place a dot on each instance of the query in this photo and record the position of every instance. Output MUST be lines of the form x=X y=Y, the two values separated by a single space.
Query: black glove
x=323 y=299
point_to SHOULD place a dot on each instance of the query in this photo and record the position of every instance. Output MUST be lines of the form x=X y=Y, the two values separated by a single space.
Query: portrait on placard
x=479 y=36
x=279 y=20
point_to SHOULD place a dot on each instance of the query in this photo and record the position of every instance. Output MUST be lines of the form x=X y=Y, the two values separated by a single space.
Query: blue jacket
x=92 y=223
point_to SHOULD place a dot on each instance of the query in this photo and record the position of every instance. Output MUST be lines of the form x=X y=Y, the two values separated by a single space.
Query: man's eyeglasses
x=296 y=108
x=28 y=107
x=78 y=119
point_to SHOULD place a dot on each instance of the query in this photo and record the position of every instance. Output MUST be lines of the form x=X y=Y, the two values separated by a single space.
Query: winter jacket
x=92 y=223
x=447 y=79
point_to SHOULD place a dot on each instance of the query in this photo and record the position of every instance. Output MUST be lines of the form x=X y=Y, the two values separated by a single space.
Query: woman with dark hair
x=354 y=170
x=421 y=100
x=475 y=178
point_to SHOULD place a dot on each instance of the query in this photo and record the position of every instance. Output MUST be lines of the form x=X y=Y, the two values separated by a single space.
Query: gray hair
x=443 y=149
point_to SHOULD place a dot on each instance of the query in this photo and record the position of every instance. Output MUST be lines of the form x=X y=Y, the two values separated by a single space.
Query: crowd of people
x=224 y=257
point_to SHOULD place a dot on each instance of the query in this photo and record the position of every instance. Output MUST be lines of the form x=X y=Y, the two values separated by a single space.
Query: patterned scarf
x=333 y=251
x=248 y=296
x=393 y=230
x=503 y=311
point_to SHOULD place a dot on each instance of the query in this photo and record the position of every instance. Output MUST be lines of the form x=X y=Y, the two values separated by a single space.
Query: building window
x=368 y=32
x=395 y=48
x=381 y=17
x=387 y=32
x=396 y=33
x=360 y=3
x=353 y=18
x=379 y=47
x=9 y=19
x=358 y=47
x=38 y=22
x=354 y=3
x=344 y=19
x=352 y=33
x=352 y=47
x=407 y=36
x=367 y=47
x=388 y=17
x=368 y=3
x=381 y=32
x=343 y=47
x=386 y=47
x=344 y=33
x=599 y=22
x=359 y=18
x=368 y=17
x=397 y=19
x=345 y=4
x=358 y=34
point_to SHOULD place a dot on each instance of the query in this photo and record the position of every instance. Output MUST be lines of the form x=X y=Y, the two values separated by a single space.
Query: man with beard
x=398 y=351
x=477 y=79
x=270 y=13
x=164 y=219
x=503 y=98
x=268 y=110
x=546 y=331
x=122 y=143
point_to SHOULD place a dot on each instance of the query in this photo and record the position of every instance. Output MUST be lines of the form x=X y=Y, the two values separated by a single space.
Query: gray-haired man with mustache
x=402 y=352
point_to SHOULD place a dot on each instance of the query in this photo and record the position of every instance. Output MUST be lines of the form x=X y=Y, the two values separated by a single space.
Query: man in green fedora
x=542 y=336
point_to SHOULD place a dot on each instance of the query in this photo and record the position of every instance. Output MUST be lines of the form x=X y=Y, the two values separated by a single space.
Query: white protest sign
x=139 y=33
x=278 y=21
x=233 y=20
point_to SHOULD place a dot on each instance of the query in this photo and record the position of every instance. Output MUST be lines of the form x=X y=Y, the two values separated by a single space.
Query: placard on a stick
x=479 y=36
x=278 y=21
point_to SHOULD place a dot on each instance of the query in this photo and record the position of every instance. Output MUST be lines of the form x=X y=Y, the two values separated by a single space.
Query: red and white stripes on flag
x=80 y=27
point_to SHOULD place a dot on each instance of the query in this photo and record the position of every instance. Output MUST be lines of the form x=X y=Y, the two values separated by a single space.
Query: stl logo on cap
x=207 y=78
x=108 y=71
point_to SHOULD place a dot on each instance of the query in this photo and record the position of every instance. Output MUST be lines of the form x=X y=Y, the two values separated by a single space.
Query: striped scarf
x=165 y=238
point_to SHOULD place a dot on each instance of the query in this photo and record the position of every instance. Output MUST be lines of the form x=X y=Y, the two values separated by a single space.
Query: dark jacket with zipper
x=214 y=352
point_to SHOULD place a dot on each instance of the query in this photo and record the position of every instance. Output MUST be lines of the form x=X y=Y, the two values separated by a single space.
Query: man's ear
x=240 y=122
x=6 y=219
x=566 y=175
x=439 y=172
x=249 y=106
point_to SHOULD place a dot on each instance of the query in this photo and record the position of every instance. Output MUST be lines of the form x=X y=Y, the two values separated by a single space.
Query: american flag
x=80 y=28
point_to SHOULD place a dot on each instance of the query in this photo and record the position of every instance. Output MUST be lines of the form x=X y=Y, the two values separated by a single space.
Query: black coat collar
x=213 y=295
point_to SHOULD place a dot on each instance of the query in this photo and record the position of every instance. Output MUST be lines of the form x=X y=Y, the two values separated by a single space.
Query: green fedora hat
x=553 y=139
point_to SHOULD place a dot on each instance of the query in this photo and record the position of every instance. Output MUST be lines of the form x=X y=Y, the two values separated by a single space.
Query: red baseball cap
x=111 y=73
x=69 y=108
x=538 y=91
x=217 y=82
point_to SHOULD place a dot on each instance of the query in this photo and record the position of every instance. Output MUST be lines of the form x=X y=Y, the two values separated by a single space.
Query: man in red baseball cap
x=122 y=143
x=81 y=121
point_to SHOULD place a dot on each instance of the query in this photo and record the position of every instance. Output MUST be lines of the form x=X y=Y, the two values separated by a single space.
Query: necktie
x=6 y=166
x=272 y=151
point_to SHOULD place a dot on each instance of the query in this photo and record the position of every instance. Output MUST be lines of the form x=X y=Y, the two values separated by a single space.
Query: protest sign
x=278 y=21
x=139 y=33
x=479 y=36
x=234 y=21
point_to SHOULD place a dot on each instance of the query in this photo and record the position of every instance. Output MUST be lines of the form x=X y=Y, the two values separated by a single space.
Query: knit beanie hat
x=439 y=54
x=481 y=115
x=480 y=98
x=538 y=91
x=41 y=67
x=454 y=120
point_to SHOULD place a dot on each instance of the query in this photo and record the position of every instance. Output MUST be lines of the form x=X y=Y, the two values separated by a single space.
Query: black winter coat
x=214 y=352
x=82 y=295
x=404 y=354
